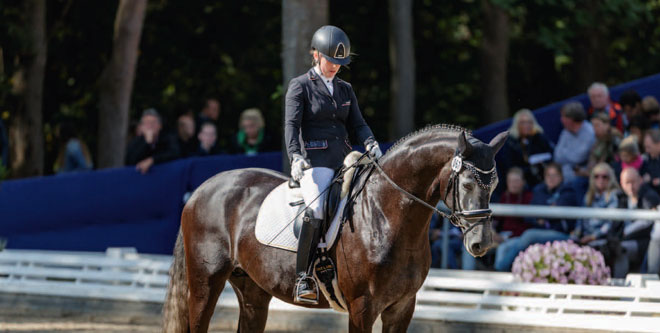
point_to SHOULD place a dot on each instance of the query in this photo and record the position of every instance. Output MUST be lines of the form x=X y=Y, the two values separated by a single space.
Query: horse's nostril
x=476 y=247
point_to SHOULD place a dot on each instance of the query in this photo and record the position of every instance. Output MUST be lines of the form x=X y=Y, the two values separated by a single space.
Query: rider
x=320 y=109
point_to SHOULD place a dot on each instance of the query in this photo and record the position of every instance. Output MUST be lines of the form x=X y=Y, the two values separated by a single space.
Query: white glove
x=374 y=150
x=298 y=165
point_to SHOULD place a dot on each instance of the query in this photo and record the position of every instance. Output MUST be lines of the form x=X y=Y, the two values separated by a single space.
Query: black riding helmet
x=333 y=44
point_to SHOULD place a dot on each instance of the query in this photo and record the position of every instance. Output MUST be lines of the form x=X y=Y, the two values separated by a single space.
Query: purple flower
x=561 y=262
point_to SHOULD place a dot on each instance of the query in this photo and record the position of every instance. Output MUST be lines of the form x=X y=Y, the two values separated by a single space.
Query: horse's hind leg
x=208 y=270
x=397 y=316
x=253 y=301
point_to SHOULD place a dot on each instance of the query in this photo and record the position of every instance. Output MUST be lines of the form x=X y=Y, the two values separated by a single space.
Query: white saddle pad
x=276 y=218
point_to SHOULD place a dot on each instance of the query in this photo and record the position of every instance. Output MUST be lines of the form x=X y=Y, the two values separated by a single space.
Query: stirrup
x=306 y=280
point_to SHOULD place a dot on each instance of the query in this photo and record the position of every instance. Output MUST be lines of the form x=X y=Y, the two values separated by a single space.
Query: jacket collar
x=316 y=78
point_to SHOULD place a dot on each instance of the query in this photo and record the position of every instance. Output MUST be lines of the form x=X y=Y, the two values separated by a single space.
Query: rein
x=476 y=216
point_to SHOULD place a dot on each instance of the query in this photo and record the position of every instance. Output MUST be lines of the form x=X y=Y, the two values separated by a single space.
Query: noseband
x=474 y=217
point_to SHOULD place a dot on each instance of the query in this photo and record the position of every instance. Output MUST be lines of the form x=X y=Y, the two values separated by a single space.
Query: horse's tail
x=175 y=309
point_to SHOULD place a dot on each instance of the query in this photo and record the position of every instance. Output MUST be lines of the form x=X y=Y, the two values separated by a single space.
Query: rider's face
x=328 y=69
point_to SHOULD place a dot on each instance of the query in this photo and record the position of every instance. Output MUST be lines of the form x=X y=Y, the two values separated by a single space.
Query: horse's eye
x=468 y=187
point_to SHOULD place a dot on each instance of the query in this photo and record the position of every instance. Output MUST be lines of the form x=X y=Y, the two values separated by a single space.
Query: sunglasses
x=597 y=176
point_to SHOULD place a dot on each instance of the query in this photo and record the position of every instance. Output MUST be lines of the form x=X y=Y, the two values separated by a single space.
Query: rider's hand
x=298 y=165
x=374 y=150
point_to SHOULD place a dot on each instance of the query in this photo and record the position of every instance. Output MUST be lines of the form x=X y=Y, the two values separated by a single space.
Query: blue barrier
x=119 y=207
x=91 y=211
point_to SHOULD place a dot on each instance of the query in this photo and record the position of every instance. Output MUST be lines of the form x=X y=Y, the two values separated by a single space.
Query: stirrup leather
x=306 y=290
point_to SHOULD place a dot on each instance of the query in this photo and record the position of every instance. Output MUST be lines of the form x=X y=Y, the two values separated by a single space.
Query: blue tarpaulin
x=91 y=211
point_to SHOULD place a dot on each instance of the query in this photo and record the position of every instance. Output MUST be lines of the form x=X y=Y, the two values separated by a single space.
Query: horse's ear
x=498 y=141
x=464 y=146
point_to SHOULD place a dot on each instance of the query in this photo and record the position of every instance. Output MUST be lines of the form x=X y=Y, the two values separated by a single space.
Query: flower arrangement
x=561 y=262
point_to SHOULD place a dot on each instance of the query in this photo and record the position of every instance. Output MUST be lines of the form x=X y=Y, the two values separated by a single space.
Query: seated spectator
x=575 y=140
x=526 y=148
x=631 y=104
x=653 y=253
x=549 y=193
x=603 y=193
x=637 y=127
x=73 y=154
x=252 y=137
x=629 y=240
x=508 y=226
x=651 y=111
x=599 y=96
x=188 y=143
x=208 y=140
x=650 y=170
x=629 y=156
x=607 y=143
x=151 y=145
x=210 y=113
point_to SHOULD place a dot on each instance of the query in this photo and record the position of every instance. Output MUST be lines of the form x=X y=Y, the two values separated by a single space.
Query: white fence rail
x=565 y=212
x=462 y=296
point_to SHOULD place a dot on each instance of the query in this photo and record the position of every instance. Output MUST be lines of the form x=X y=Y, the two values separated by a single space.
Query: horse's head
x=472 y=181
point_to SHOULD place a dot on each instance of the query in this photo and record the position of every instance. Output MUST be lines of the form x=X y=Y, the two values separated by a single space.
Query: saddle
x=280 y=219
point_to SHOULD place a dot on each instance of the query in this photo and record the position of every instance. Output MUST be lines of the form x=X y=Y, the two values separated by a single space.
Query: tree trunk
x=402 y=65
x=494 y=58
x=300 y=19
x=590 y=51
x=26 y=133
x=116 y=83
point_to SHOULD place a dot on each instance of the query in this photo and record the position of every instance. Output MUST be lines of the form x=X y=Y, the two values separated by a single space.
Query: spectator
x=73 y=154
x=549 y=193
x=526 y=148
x=651 y=111
x=603 y=193
x=252 y=137
x=634 y=236
x=637 y=126
x=599 y=96
x=151 y=146
x=629 y=155
x=508 y=226
x=631 y=104
x=208 y=140
x=575 y=140
x=188 y=143
x=210 y=113
x=4 y=146
x=650 y=170
x=607 y=143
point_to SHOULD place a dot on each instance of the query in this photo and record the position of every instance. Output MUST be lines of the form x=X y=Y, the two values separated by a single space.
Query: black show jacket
x=319 y=121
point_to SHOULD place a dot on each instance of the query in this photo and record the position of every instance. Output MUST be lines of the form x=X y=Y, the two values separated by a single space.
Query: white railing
x=554 y=212
x=447 y=295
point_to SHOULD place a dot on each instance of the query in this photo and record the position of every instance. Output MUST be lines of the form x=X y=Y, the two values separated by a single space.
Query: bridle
x=458 y=216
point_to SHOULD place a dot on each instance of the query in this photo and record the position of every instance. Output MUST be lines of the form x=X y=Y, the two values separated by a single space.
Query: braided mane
x=431 y=128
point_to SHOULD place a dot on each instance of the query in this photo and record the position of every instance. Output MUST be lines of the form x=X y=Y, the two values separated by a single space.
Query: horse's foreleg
x=362 y=315
x=208 y=271
x=397 y=316
x=254 y=303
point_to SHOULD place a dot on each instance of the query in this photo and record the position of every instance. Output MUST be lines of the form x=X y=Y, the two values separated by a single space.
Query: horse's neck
x=417 y=171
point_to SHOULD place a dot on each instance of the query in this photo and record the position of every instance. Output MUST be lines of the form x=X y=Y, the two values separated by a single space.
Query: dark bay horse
x=381 y=264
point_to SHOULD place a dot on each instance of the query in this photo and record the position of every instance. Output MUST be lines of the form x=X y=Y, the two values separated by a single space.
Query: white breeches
x=313 y=182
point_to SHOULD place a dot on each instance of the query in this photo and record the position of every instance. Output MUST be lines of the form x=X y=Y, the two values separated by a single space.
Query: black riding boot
x=306 y=290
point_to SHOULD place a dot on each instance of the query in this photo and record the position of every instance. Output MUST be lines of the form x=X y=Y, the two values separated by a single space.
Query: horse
x=380 y=264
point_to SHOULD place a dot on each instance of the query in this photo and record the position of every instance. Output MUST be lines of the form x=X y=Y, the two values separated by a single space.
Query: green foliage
x=232 y=50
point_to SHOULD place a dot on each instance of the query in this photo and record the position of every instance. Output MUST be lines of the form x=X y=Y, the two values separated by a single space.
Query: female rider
x=320 y=109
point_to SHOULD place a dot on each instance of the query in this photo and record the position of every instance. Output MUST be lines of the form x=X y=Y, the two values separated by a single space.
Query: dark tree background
x=232 y=50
